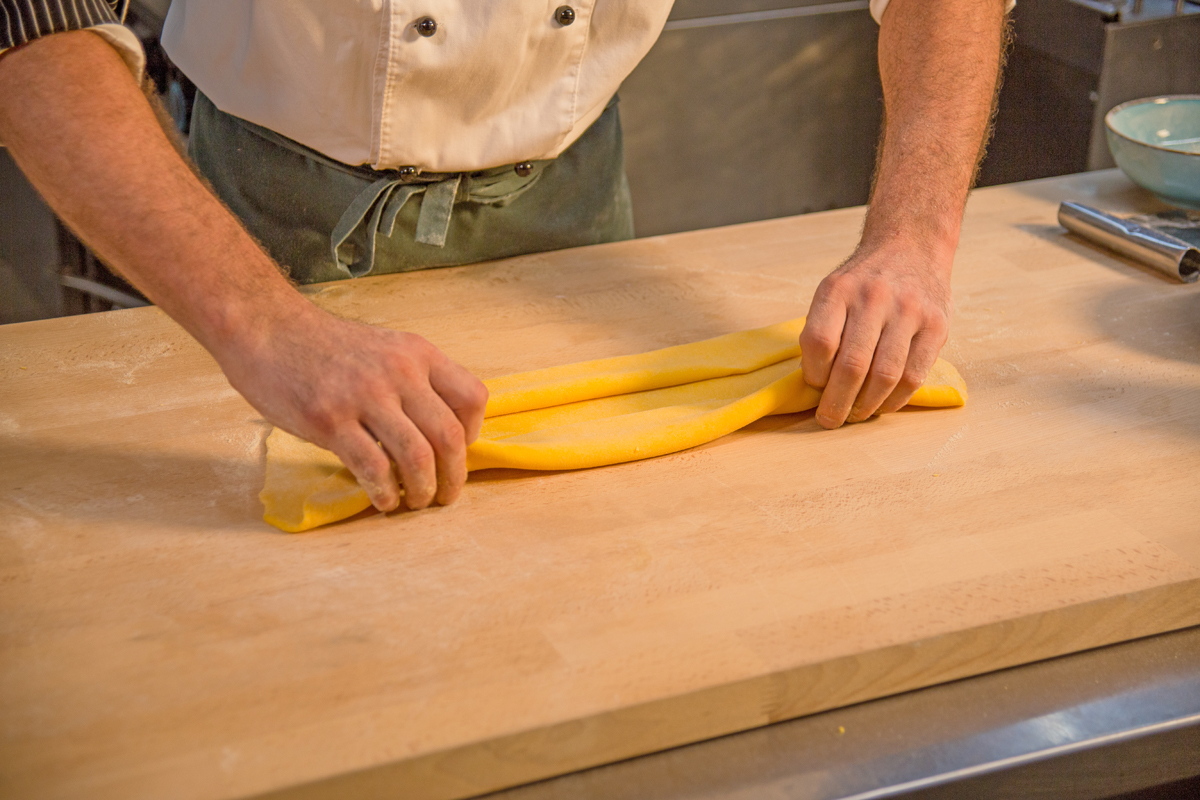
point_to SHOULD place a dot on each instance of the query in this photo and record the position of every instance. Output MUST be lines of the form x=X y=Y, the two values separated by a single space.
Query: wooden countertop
x=158 y=639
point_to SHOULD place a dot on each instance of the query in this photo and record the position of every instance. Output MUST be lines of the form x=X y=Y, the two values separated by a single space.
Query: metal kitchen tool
x=1168 y=242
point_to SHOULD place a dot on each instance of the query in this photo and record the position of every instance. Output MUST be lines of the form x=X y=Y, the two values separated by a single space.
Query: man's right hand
x=370 y=395
x=79 y=127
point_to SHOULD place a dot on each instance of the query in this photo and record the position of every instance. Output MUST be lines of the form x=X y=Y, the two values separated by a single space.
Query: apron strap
x=395 y=204
x=434 y=221
x=353 y=216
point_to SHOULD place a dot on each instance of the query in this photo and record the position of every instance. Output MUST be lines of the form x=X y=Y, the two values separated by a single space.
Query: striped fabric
x=23 y=21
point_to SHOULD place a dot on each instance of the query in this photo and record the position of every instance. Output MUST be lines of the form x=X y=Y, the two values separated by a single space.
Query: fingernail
x=378 y=496
x=427 y=491
x=384 y=506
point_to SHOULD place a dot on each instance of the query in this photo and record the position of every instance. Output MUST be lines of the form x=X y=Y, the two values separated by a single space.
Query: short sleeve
x=879 y=6
x=22 y=21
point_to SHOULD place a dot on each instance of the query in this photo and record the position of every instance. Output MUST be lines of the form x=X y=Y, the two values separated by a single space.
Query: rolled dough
x=592 y=414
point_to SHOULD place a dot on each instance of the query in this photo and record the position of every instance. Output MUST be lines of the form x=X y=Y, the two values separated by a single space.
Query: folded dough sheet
x=592 y=414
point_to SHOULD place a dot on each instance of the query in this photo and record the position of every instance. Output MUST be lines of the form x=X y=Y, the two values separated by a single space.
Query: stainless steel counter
x=1091 y=725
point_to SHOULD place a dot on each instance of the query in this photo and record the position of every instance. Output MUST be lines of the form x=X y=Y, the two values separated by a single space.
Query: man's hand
x=346 y=386
x=877 y=323
x=79 y=127
x=874 y=329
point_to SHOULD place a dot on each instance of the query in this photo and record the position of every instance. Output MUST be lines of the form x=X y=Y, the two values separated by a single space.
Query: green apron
x=324 y=220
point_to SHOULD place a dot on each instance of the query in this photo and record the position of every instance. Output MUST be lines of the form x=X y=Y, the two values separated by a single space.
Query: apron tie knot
x=376 y=207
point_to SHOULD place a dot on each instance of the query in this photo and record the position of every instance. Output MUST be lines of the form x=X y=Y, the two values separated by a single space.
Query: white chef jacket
x=500 y=81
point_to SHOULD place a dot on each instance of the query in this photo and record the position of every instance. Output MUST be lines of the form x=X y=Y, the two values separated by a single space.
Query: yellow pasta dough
x=592 y=414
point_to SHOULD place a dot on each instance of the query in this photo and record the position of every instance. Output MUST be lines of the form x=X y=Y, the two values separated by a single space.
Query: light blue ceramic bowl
x=1156 y=141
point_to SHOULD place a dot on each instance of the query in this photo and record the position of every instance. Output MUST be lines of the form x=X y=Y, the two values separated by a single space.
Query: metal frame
x=1091 y=725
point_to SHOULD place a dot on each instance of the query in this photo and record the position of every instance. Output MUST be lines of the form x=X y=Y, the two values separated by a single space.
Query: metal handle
x=1162 y=251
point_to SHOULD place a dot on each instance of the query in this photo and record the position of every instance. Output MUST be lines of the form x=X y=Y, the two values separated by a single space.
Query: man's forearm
x=877 y=323
x=939 y=64
x=81 y=130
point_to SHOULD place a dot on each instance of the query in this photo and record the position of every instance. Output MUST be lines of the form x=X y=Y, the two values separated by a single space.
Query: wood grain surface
x=158 y=639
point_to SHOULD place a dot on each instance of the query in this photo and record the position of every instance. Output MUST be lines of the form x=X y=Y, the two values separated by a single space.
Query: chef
x=338 y=139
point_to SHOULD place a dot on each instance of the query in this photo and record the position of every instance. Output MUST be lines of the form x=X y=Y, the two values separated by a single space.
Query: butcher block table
x=158 y=639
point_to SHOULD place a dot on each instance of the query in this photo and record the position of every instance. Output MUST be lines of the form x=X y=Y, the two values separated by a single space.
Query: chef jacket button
x=524 y=169
x=407 y=172
x=565 y=15
x=427 y=26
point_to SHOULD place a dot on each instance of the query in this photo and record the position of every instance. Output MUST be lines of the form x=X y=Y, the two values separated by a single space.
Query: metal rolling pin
x=1164 y=252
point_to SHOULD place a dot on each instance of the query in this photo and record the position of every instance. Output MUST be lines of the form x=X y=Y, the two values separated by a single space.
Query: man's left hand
x=874 y=330
x=877 y=323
